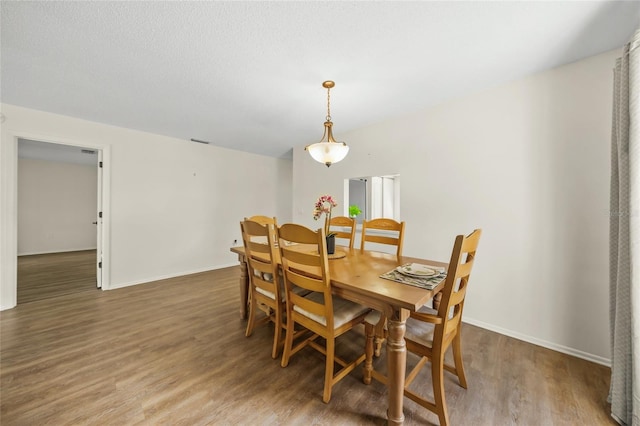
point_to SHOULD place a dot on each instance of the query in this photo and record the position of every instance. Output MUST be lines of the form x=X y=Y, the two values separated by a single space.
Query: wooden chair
x=323 y=314
x=265 y=290
x=344 y=222
x=396 y=238
x=429 y=333
x=264 y=220
x=395 y=228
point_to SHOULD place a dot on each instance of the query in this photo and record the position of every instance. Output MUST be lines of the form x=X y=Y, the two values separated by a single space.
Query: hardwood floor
x=43 y=276
x=174 y=352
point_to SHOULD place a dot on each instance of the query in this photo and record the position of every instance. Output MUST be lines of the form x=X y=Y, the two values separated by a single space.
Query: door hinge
x=100 y=164
x=100 y=214
x=99 y=264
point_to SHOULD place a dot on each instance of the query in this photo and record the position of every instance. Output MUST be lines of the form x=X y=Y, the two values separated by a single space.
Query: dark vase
x=331 y=244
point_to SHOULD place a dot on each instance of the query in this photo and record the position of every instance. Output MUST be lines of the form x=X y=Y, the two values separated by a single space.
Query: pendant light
x=328 y=151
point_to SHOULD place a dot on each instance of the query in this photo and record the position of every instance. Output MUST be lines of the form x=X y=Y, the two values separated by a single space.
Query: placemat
x=338 y=254
x=428 y=283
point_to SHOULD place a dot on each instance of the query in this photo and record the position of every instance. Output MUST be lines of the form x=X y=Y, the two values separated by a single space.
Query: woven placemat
x=428 y=283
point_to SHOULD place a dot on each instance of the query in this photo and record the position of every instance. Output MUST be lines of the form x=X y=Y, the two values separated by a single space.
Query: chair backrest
x=344 y=222
x=261 y=264
x=394 y=228
x=455 y=287
x=306 y=265
x=263 y=220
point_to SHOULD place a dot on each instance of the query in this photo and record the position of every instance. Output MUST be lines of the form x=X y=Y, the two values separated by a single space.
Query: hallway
x=43 y=276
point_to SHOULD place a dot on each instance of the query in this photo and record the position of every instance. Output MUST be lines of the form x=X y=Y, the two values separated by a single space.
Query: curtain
x=624 y=264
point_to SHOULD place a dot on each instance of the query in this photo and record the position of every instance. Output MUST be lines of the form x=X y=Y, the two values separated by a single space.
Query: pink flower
x=324 y=205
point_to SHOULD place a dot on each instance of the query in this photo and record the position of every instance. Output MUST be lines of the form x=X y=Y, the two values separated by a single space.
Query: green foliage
x=354 y=210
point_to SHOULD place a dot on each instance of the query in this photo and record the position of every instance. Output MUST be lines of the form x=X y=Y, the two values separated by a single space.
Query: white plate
x=416 y=270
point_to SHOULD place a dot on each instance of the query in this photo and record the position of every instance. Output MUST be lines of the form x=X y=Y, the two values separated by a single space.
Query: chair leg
x=379 y=341
x=437 y=374
x=380 y=335
x=252 y=314
x=457 y=359
x=368 y=351
x=288 y=341
x=277 y=335
x=328 y=372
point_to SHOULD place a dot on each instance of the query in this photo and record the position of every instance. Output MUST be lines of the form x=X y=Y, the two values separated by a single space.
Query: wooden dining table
x=356 y=277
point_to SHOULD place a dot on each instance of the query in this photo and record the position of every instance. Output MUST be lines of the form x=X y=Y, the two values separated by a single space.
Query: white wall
x=174 y=206
x=57 y=203
x=528 y=162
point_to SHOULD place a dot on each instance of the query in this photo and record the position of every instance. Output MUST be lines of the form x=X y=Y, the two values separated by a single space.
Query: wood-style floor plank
x=43 y=276
x=174 y=352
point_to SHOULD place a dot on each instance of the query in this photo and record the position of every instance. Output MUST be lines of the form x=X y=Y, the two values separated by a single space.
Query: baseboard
x=164 y=277
x=6 y=307
x=55 y=251
x=539 y=342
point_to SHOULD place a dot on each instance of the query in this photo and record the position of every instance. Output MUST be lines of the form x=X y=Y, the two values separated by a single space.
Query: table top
x=357 y=277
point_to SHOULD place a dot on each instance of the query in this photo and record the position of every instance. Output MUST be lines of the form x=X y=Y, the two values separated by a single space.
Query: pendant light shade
x=328 y=150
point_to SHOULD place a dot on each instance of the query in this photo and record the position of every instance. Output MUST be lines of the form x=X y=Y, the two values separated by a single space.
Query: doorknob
x=95 y=223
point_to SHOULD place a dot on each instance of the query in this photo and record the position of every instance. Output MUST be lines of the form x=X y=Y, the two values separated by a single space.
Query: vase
x=331 y=244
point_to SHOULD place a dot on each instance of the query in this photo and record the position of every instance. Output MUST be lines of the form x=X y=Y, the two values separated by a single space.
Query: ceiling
x=248 y=75
x=56 y=152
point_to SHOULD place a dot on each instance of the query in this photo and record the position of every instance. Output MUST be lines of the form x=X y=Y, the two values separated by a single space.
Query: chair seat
x=373 y=317
x=343 y=310
x=267 y=276
x=269 y=294
x=419 y=331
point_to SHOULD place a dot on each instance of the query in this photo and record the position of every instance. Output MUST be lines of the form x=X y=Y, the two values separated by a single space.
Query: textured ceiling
x=247 y=75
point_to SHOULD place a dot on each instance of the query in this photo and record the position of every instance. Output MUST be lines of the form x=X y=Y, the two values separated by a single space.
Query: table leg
x=397 y=365
x=244 y=287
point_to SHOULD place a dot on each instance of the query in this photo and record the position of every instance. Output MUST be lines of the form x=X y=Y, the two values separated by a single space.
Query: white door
x=99 y=222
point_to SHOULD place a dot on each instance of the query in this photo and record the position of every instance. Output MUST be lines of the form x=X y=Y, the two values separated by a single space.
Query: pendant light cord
x=328 y=104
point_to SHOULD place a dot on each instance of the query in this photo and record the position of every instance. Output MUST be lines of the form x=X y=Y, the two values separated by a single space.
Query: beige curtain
x=624 y=245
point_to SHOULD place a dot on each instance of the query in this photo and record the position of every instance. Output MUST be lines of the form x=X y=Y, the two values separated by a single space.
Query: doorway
x=376 y=196
x=59 y=219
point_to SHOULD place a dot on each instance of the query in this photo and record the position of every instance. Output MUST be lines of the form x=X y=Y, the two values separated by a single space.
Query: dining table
x=355 y=275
